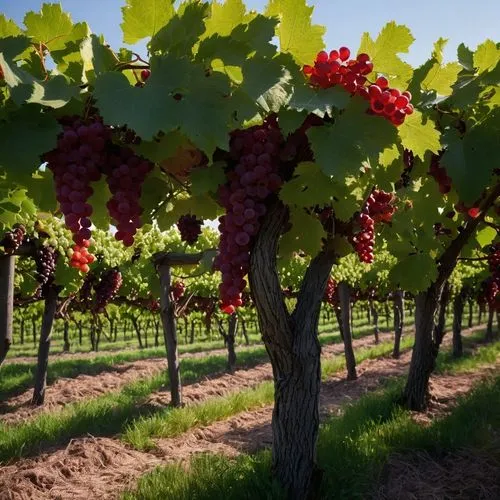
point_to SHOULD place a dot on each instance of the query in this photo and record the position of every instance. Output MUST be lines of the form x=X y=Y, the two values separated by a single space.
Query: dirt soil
x=70 y=390
x=104 y=467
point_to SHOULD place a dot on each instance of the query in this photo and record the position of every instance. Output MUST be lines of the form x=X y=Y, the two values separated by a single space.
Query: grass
x=352 y=448
x=173 y=422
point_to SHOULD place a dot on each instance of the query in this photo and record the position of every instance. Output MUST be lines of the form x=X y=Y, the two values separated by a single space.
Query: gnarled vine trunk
x=231 y=337
x=167 y=312
x=44 y=346
x=344 y=291
x=458 y=311
x=399 y=321
x=374 y=315
x=489 y=326
x=66 y=336
x=7 y=267
x=292 y=343
x=440 y=328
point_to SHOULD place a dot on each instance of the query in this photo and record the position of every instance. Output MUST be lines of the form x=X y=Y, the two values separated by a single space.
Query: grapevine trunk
x=7 y=267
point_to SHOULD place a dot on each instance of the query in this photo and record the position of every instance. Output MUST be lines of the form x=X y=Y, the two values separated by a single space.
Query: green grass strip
x=173 y=422
x=352 y=448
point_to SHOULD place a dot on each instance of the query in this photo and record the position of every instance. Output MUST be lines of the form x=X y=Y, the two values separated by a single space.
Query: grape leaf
x=355 y=137
x=182 y=31
x=51 y=26
x=414 y=273
x=12 y=46
x=305 y=234
x=290 y=120
x=309 y=186
x=144 y=18
x=8 y=27
x=41 y=190
x=260 y=74
x=97 y=57
x=296 y=33
x=419 y=135
x=207 y=180
x=441 y=78
x=486 y=236
x=23 y=139
x=258 y=34
x=465 y=57
x=468 y=160
x=54 y=93
x=318 y=101
x=487 y=56
x=394 y=39
x=224 y=17
x=177 y=95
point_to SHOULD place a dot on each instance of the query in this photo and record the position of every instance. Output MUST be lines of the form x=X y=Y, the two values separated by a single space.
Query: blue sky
x=468 y=21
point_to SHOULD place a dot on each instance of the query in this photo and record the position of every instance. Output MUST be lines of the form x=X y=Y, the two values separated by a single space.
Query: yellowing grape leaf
x=487 y=56
x=418 y=134
x=144 y=18
x=296 y=33
x=224 y=17
x=394 y=39
x=8 y=27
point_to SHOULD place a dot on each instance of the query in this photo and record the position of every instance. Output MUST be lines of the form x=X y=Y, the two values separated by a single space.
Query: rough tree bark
x=66 y=336
x=44 y=346
x=345 y=316
x=399 y=321
x=489 y=326
x=440 y=328
x=458 y=311
x=167 y=312
x=7 y=268
x=374 y=314
x=292 y=343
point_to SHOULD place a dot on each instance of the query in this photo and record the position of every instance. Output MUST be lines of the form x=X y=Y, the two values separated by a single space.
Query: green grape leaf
x=309 y=186
x=465 y=57
x=155 y=191
x=54 y=93
x=24 y=139
x=487 y=56
x=12 y=46
x=97 y=57
x=468 y=160
x=305 y=234
x=100 y=216
x=8 y=27
x=290 y=120
x=296 y=33
x=486 y=236
x=68 y=277
x=419 y=134
x=414 y=273
x=203 y=206
x=182 y=31
x=394 y=39
x=223 y=48
x=177 y=95
x=318 y=101
x=355 y=137
x=41 y=190
x=258 y=34
x=224 y=17
x=206 y=180
x=441 y=78
x=162 y=148
x=51 y=26
x=144 y=18
x=260 y=75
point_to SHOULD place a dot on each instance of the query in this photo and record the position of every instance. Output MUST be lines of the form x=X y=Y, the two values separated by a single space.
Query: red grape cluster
x=125 y=173
x=440 y=175
x=178 y=288
x=106 y=289
x=45 y=260
x=190 y=228
x=81 y=257
x=255 y=176
x=75 y=164
x=12 y=240
x=378 y=208
x=388 y=102
x=329 y=296
x=336 y=68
